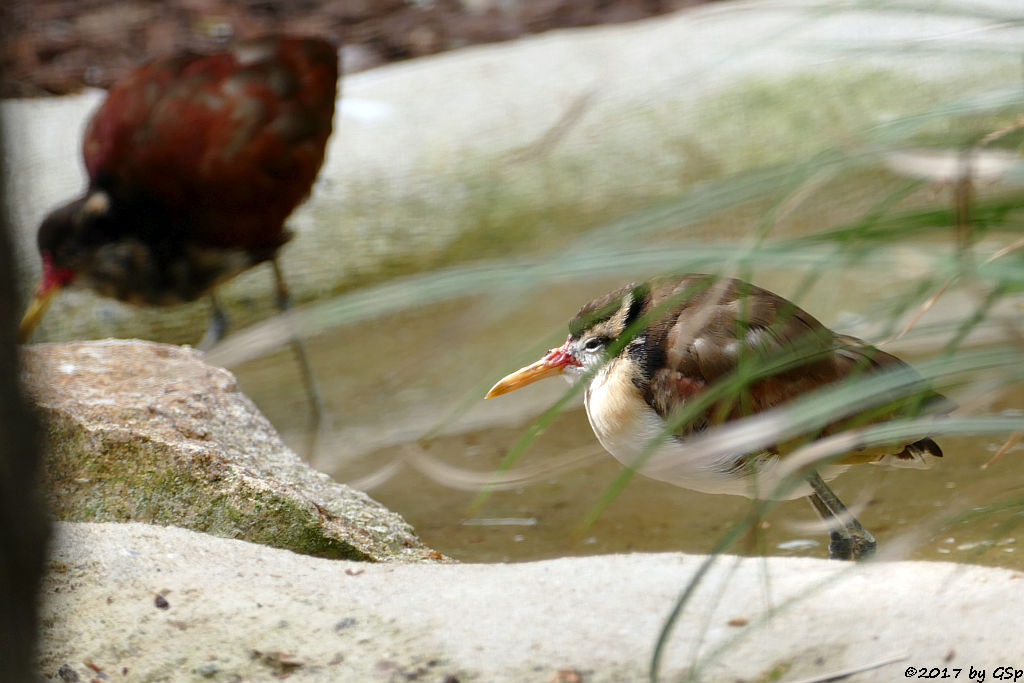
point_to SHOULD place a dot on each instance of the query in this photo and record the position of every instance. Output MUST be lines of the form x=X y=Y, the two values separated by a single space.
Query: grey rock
x=146 y=432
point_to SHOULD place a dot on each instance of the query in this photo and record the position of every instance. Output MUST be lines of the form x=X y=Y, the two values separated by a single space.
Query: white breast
x=625 y=425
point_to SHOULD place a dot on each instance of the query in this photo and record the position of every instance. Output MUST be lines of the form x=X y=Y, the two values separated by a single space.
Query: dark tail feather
x=914 y=456
x=924 y=447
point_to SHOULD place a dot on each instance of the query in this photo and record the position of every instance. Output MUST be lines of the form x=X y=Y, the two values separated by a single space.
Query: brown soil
x=59 y=46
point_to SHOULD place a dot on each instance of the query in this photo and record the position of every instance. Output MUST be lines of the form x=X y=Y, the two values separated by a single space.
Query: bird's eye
x=593 y=344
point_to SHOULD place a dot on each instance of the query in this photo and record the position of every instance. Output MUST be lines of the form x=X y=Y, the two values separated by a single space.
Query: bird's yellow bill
x=528 y=375
x=34 y=313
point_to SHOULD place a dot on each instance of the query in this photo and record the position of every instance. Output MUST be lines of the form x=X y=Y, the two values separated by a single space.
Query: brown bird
x=649 y=349
x=194 y=163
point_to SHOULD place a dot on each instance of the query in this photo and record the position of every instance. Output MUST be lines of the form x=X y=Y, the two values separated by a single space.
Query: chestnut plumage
x=194 y=163
x=649 y=348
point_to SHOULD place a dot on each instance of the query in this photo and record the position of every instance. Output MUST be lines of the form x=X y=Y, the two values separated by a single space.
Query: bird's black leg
x=217 y=325
x=848 y=539
x=840 y=545
x=284 y=302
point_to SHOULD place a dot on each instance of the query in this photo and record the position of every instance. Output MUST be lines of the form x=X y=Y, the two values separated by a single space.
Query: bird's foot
x=846 y=545
x=840 y=546
x=863 y=545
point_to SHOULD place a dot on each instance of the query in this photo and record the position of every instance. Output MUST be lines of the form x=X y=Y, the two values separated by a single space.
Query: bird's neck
x=620 y=417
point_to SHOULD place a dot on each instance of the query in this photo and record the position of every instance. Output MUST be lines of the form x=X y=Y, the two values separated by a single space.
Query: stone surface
x=163 y=604
x=146 y=432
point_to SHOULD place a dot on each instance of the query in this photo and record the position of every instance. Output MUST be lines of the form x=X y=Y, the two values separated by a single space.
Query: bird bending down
x=649 y=348
x=194 y=163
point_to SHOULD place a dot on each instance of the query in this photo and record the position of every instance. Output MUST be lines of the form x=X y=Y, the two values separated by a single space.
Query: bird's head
x=593 y=334
x=66 y=238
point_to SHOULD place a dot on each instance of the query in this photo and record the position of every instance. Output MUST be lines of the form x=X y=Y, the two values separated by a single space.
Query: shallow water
x=391 y=383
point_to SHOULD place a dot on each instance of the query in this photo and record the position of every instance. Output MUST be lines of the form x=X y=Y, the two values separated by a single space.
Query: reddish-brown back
x=225 y=145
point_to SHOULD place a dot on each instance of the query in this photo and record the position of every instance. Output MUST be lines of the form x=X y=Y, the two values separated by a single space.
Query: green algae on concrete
x=145 y=432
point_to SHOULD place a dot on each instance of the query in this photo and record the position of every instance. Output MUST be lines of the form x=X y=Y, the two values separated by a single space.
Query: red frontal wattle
x=225 y=145
x=561 y=356
x=52 y=276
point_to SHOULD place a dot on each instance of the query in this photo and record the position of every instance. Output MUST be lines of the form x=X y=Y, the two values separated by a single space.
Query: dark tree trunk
x=23 y=523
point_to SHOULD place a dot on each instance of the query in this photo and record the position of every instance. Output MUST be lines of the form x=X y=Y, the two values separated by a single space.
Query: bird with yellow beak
x=649 y=348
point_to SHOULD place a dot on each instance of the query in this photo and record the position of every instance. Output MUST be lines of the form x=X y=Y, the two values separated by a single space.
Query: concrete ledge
x=168 y=604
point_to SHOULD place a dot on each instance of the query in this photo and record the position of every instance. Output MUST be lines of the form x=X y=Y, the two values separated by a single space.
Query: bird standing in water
x=194 y=164
x=648 y=349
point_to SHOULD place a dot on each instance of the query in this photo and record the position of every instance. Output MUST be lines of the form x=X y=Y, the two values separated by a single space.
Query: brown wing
x=228 y=143
x=706 y=341
x=853 y=357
